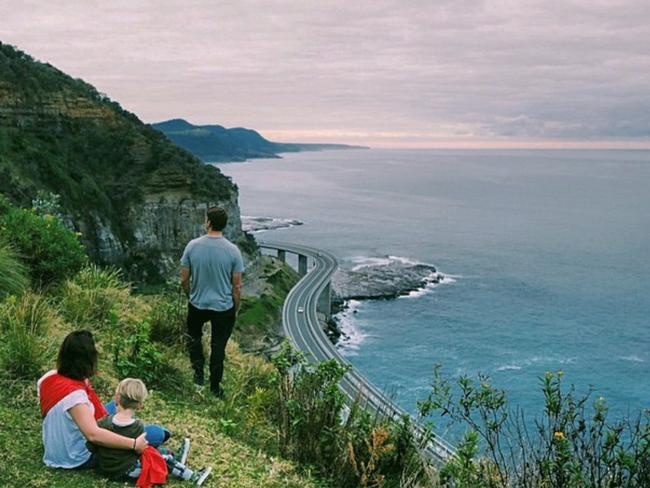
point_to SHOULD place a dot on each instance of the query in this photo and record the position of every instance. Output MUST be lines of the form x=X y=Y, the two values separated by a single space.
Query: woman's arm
x=87 y=424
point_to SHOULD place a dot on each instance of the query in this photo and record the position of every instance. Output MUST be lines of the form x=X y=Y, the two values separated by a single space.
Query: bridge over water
x=301 y=325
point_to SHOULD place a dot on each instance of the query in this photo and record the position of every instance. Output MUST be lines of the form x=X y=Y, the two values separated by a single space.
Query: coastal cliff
x=134 y=196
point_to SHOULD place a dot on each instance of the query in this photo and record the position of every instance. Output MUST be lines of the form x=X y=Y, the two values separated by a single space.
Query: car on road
x=301 y=310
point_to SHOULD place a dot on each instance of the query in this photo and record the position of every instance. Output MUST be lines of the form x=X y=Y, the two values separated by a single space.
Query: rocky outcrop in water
x=261 y=224
x=385 y=281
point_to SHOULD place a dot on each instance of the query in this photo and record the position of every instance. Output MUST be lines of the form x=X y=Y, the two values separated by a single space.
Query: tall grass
x=168 y=319
x=87 y=300
x=14 y=275
x=26 y=348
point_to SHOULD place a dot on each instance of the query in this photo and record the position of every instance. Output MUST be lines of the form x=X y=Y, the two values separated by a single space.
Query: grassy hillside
x=137 y=336
x=282 y=422
x=208 y=422
x=259 y=323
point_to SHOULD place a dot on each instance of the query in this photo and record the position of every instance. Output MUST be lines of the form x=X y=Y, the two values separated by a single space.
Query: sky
x=384 y=73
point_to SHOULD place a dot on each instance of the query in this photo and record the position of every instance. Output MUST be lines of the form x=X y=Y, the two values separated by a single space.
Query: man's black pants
x=222 y=325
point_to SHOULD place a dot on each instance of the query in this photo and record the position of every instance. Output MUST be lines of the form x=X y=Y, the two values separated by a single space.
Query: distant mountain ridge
x=215 y=143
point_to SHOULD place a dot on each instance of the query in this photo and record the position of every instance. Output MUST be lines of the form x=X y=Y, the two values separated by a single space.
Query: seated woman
x=70 y=409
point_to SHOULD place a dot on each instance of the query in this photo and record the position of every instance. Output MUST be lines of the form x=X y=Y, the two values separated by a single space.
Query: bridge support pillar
x=325 y=302
x=282 y=255
x=302 y=265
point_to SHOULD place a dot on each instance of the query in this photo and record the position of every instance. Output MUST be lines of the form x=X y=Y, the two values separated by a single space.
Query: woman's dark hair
x=218 y=218
x=77 y=356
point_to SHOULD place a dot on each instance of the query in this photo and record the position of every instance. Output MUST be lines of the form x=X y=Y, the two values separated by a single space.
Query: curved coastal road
x=304 y=329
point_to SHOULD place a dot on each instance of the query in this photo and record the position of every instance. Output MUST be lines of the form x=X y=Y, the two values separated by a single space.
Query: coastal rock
x=390 y=279
x=261 y=224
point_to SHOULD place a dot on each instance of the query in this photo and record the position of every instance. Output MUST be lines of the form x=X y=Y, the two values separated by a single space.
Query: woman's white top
x=65 y=445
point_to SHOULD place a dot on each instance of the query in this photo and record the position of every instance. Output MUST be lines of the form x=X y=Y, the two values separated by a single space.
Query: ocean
x=546 y=254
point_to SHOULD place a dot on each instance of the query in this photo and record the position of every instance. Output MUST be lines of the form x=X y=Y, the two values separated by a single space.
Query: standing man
x=211 y=269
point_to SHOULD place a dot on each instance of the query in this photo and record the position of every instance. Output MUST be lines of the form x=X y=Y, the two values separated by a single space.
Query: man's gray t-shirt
x=212 y=261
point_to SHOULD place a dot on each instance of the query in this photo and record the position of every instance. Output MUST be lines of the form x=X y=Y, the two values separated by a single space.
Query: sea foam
x=362 y=262
x=434 y=281
x=351 y=335
x=633 y=358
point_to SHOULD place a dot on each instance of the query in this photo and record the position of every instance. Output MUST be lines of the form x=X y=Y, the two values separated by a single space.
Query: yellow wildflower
x=559 y=436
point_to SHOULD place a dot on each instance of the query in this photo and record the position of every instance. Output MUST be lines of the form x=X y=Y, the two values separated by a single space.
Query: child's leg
x=177 y=469
x=156 y=434
x=135 y=472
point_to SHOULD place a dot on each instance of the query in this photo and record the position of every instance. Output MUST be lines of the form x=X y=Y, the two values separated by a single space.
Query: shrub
x=363 y=443
x=135 y=356
x=358 y=449
x=95 y=277
x=51 y=251
x=25 y=348
x=13 y=273
x=310 y=404
x=572 y=445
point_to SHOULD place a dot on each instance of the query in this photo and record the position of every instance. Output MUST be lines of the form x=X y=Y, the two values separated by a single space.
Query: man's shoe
x=201 y=475
x=199 y=380
x=218 y=392
x=184 y=451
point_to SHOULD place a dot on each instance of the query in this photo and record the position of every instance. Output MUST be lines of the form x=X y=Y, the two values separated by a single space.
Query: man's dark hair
x=218 y=218
x=77 y=356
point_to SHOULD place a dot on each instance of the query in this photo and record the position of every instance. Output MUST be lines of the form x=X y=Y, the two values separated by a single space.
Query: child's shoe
x=201 y=475
x=184 y=451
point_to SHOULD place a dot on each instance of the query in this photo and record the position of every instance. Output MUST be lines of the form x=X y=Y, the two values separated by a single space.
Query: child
x=118 y=463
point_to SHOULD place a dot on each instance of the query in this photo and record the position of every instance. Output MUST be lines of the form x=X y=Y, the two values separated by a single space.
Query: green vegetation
x=25 y=347
x=259 y=320
x=90 y=298
x=574 y=444
x=234 y=436
x=14 y=280
x=274 y=428
x=354 y=447
x=50 y=252
x=59 y=135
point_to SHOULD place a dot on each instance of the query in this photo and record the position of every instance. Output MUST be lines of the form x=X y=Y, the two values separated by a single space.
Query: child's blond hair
x=131 y=393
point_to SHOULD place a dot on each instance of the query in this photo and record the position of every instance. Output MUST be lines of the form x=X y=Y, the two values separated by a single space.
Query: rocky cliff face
x=135 y=197
x=162 y=226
